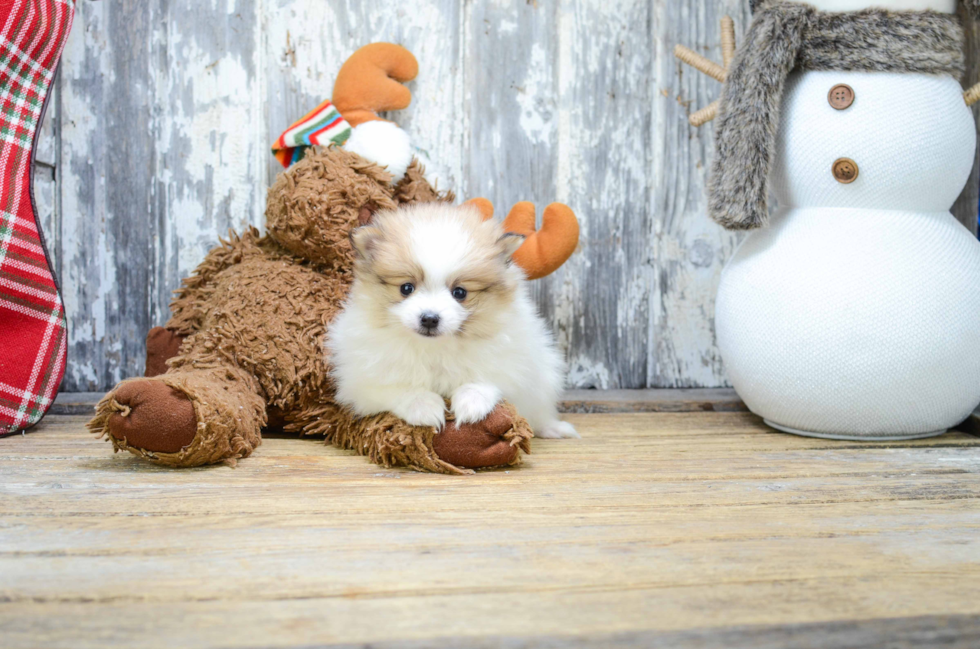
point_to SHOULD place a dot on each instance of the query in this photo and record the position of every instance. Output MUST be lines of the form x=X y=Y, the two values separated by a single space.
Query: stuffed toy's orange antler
x=371 y=81
x=483 y=205
x=544 y=250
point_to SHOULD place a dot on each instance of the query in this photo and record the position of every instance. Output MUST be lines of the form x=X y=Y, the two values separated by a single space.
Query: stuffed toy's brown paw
x=495 y=441
x=183 y=419
x=152 y=416
x=389 y=442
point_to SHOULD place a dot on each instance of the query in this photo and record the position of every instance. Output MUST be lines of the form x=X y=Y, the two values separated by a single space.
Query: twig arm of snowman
x=710 y=68
x=972 y=95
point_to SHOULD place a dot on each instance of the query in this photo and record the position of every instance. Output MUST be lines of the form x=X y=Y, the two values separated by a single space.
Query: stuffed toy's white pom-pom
x=383 y=143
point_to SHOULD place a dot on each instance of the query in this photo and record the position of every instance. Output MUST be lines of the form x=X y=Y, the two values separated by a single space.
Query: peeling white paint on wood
x=157 y=141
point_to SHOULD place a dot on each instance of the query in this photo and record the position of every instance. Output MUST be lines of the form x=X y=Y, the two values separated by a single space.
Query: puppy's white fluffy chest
x=399 y=357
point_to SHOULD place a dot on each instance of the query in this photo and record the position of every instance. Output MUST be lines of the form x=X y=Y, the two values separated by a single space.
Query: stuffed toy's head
x=311 y=208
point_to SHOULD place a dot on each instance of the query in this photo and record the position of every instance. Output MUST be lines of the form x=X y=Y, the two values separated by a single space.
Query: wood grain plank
x=511 y=103
x=167 y=109
x=604 y=109
x=951 y=631
x=209 y=158
x=579 y=401
x=898 y=633
x=293 y=623
x=45 y=186
x=159 y=155
x=699 y=526
x=656 y=400
x=687 y=249
x=104 y=283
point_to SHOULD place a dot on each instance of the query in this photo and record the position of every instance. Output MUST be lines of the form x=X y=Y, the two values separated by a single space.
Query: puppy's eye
x=407 y=289
x=459 y=293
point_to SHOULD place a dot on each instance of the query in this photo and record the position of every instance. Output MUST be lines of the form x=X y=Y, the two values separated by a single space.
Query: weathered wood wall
x=158 y=143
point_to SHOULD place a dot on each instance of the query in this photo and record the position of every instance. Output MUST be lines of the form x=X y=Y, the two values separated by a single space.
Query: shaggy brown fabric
x=414 y=188
x=388 y=441
x=192 y=300
x=268 y=318
x=252 y=321
x=161 y=345
x=789 y=35
x=228 y=414
x=310 y=208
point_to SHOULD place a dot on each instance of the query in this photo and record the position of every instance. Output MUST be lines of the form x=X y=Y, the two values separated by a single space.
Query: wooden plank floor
x=672 y=529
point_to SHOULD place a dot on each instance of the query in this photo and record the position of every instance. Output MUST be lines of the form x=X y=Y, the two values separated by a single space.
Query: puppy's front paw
x=422 y=409
x=472 y=402
x=557 y=430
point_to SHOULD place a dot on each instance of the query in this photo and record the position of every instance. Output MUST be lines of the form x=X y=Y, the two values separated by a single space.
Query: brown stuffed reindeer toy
x=244 y=348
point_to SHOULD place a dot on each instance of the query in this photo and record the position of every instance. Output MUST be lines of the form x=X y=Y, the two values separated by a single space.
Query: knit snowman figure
x=853 y=311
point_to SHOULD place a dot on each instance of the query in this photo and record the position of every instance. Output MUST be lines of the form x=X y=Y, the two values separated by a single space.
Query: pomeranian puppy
x=437 y=309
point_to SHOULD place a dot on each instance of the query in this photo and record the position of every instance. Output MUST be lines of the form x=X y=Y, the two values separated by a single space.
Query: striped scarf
x=322 y=125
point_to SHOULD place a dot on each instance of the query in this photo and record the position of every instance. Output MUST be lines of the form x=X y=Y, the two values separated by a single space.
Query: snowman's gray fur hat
x=972 y=5
x=785 y=36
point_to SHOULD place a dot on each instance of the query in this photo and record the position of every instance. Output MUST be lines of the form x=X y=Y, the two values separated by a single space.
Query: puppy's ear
x=366 y=213
x=364 y=240
x=510 y=242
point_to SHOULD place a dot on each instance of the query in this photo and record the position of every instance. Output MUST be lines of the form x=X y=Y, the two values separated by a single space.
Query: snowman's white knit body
x=856 y=313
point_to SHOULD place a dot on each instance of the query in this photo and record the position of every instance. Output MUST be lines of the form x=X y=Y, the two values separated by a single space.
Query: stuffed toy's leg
x=186 y=417
x=161 y=345
x=386 y=440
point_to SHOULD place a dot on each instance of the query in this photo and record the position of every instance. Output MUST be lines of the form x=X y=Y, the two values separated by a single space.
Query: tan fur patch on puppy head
x=436 y=269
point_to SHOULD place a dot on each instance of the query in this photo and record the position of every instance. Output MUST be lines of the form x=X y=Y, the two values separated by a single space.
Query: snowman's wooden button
x=845 y=170
x=841 y=96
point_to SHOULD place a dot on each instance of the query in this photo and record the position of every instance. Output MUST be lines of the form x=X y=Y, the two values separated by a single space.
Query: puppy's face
x=436 y=270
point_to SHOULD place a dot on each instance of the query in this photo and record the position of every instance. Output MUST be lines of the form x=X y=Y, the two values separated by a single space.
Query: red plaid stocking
x=33 y=334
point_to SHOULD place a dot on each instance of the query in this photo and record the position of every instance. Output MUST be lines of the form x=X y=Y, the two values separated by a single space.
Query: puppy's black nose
x=429 y=320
